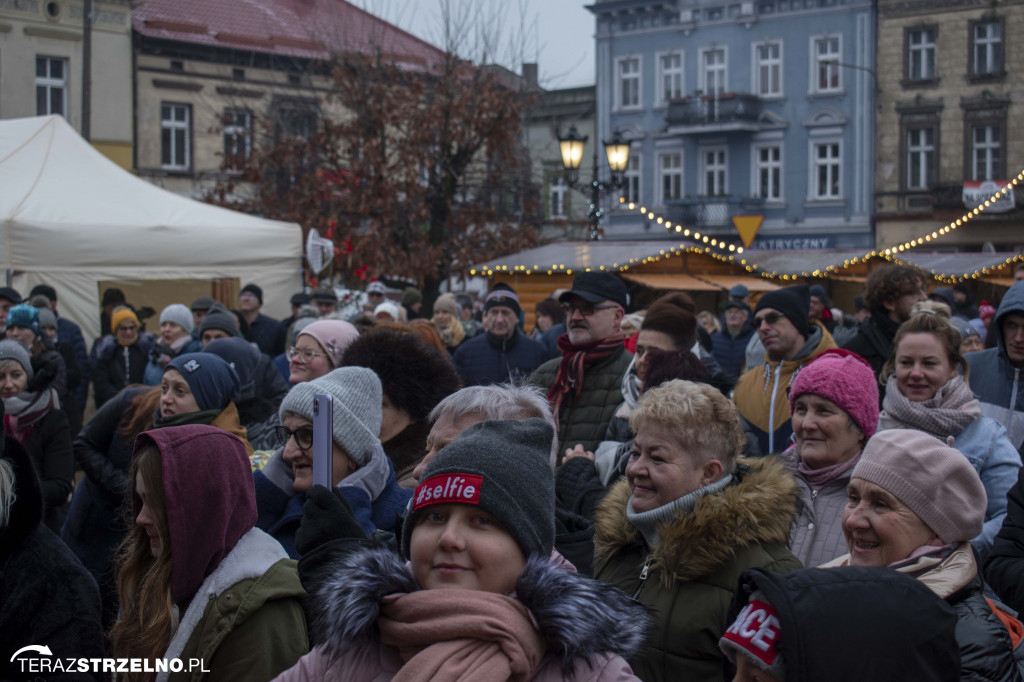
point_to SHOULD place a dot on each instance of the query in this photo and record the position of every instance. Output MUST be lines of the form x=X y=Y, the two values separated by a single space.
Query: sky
x=557 y=34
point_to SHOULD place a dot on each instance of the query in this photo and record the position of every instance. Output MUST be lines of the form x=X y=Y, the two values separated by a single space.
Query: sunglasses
x=303 y=436
x=770 y=318
x=586 y=309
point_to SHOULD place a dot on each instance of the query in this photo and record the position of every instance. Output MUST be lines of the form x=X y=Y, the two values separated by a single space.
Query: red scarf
x=575 y=358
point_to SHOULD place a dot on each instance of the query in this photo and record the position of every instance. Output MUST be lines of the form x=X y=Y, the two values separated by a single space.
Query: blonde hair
x=704 y=421
x=932 y=308
x=147 y=621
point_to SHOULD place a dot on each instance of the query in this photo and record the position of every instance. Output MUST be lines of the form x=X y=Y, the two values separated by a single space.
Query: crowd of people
x=658 y=494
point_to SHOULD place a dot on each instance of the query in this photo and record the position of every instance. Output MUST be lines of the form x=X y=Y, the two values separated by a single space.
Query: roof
x=310 y=29
x=595 y=255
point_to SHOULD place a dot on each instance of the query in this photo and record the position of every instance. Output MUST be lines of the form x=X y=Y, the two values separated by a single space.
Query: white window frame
x=923 y=50
x=758 y=165
x=993 y=47
x=632 y=185
x=176 y=128
x=723 y=68
x=663 y=73
x=49 y=83
x=722 y=168
x=925 y=153
x=814 y=163
x=988 y=146
x=674 y=172
x=558 y=193
x=815 y=63
x=758 y=63
x=620 y=79
x=239 y=132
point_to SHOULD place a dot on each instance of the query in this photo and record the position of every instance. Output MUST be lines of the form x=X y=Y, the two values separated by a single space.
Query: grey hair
x=7 y=494
x=510 y=401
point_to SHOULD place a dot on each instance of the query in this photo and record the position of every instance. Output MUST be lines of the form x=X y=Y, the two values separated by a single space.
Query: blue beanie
x=241 y=355
x=24 y=315
x=211 y=379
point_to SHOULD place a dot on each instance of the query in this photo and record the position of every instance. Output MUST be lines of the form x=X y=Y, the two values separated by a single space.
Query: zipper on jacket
x=643 y=577
x=771 y=412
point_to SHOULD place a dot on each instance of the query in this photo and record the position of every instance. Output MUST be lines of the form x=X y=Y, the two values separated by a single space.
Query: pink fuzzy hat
x=334 y=336
x=846 y=379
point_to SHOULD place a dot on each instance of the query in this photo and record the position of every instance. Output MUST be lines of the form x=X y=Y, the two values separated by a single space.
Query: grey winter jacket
x=817 y=533
x=995 y=380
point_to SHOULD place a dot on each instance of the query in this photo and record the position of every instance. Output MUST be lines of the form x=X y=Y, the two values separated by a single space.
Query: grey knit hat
x=47 y=318
x=12 y=350
x=502 y=466
x=179 y=314
x=357 y=408
x=755 y=635
x=219 y=318
x=935 y=481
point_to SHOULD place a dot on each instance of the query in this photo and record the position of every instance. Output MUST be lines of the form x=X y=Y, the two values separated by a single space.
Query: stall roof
x=959 y=265
x=609 y=255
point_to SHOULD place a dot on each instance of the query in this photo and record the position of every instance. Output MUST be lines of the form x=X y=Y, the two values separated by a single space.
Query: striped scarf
x=575 y=358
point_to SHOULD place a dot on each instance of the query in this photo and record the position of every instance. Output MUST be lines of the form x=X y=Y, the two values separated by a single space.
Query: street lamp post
x=572 y=145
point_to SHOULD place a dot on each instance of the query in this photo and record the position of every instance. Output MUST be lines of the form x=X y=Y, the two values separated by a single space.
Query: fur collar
x=758 y=508
x=578 y=617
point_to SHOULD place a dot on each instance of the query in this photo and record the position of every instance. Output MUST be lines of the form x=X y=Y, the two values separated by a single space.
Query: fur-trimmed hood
x=757 y=508
x=578 y=617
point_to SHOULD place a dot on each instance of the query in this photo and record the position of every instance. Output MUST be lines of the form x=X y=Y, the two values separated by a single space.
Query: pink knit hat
x=935 y=481
x=846 y=379
x=333 y=336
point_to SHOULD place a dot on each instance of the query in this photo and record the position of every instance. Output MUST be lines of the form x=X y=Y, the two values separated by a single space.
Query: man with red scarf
x=584 y=385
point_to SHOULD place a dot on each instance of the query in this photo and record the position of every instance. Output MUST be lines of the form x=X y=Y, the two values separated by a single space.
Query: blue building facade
x=750 y=108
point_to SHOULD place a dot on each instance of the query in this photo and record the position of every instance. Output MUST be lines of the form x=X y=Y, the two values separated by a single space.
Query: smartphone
x=323 y=439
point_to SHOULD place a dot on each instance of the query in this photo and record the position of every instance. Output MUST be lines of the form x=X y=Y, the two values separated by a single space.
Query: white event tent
x=72 y=218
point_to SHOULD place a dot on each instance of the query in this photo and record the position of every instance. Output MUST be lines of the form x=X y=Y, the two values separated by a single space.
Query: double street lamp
x=571 y=146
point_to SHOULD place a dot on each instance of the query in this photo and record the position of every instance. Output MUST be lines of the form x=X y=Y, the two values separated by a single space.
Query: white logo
x=45 y=650
x=191 y=365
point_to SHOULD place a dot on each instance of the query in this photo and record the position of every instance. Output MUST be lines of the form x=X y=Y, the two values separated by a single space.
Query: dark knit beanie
x=502 y=467
x=44 y=290
x=212 y=381
x=502 y=294
x=411 y=296
x=794 y=302
x=819 y=292
x=675 y=315
x=113 y=296
x=254 y=290
x=219 y=318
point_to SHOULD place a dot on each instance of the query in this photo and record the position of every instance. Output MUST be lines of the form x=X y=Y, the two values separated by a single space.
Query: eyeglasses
x=303 y=436
x=304 y=353
x=586 y=309
x=770 y=318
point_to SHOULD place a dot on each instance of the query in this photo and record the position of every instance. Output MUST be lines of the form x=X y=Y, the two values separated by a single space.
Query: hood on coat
x=905 y=631
x=578 y=616
x=757 y=508
x=210 y=498
x=1013 y=302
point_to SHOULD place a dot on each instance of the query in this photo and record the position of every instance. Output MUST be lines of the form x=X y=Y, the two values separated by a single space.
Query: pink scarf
x=818 y=478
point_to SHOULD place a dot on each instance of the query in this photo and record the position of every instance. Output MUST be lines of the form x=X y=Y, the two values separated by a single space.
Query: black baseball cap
x=10 y=294
x=594 y=287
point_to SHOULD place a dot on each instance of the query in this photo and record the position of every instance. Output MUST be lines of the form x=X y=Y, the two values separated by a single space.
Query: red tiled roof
x=309 y=29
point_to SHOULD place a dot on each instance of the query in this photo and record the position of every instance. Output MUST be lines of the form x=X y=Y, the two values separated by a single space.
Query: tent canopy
x=71 y=218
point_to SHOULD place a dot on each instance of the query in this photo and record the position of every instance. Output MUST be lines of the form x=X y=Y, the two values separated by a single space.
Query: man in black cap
x=503 y=352
x=729 y=346
x=199 y=308
x=265 y=332
x=8 y=299
x=584 y=385
x=790 y=342
x=325 y=300
x=297 y=301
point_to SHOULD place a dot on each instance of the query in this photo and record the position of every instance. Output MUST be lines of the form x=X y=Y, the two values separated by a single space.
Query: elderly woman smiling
x=834 y=403
x=690 y=517
x=913 y=504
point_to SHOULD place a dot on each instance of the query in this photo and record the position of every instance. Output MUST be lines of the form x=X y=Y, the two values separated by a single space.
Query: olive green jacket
x=689 y=577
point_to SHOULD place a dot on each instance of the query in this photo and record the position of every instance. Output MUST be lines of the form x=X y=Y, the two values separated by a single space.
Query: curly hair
x=889 y=282
x=703 y=420
x=927 y=321
x=413 y=375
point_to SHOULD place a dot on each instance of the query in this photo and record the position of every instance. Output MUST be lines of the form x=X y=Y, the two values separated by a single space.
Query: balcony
x=728 y=111
x=711 y=211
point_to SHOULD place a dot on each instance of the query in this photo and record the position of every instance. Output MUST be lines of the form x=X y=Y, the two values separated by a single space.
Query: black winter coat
x=110 y=374
x=486 y=359
x=49 y=446
x=1004 y=567
x=873 y=342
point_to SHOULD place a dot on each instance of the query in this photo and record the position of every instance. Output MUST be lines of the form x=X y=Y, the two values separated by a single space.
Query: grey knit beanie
x=12 y=350
x=220 y=318
x=357 y=408
x=502 y=466
x=755 y=634
x=179 y=314
x=47 y=319
x=936 y=482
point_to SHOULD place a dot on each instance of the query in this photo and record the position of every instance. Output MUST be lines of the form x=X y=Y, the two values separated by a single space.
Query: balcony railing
x=711 y=211
x=701 y=109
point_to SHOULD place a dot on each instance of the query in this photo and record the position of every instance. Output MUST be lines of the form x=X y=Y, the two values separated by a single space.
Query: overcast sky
x=557 y=34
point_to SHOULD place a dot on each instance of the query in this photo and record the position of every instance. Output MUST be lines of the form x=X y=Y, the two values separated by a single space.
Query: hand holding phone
x=323 y=440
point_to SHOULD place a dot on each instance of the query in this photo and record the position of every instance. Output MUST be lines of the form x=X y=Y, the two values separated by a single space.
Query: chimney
x=530 y=73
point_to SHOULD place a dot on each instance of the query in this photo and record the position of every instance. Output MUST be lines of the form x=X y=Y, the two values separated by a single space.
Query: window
x=237 y=133
x=631 y=185
x=920 y=54
x=557 y=197
x=920 y=158
x=628 y=83
x=294 y=117
x=768 y=69
x=827 y=164
x=713 y=172
x=768 y=173
x=175 y=131
x=670 y=176
x=51 y=86
x=985 y=152
x=670 y=76
x=987 y=48
x=826 y=60
x=713 y=70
